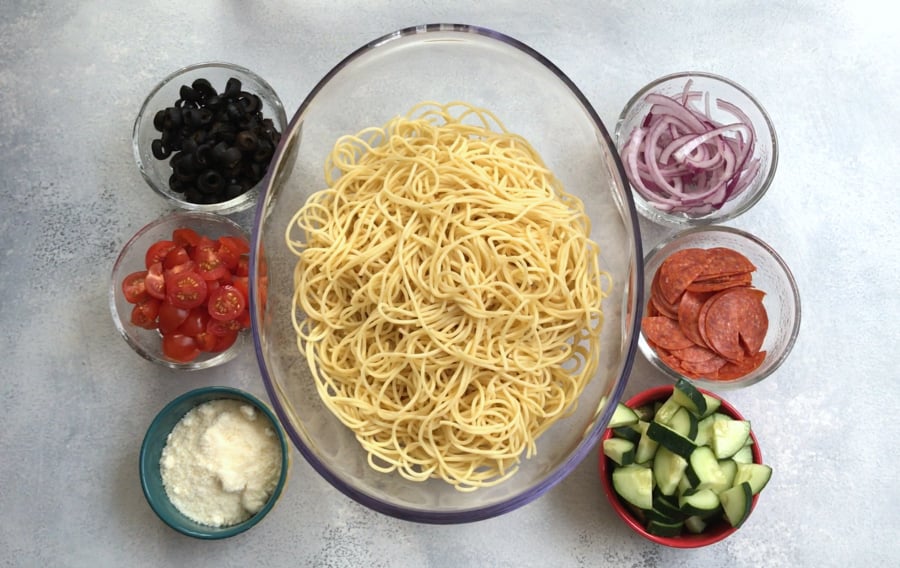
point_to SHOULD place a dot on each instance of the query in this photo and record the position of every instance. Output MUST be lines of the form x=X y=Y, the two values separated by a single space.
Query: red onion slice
x=681 y=160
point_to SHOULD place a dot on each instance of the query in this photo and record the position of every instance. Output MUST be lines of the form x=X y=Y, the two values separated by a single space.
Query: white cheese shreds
x=221 y=462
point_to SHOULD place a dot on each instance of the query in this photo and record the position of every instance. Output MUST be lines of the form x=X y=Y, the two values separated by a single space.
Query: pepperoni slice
x=730 y=371
x=704 y=369
x=695 y=354
x=736 y=319
x=720 y=283
x=665 y=332
x=689 y=315
x=679 y=270
x=662 y=305
x=725 y=262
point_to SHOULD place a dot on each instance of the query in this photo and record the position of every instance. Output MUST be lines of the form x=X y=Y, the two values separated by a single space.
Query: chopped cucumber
x=634 y=483
x=687 y=395
x=684 y=423
x=666 y=411
x=646 y=447
x=619 y=450
x=756 y=474
x=668 y=469
x=736 y=503
x=744 y=455
x=706 y=467
x=729 y=469
x=729 y=436
x=667 y=506
x=712 y=404
x=662 y=528
x=700 y=502
x=622 y=416
x=671 y=439
x=694 y=524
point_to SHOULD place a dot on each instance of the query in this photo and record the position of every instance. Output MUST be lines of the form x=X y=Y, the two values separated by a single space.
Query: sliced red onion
x=681 y=160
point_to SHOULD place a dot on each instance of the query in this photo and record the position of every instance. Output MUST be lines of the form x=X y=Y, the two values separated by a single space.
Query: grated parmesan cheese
x=221 y=462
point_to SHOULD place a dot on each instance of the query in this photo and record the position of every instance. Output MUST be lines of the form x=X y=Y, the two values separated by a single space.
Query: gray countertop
x=76 y=399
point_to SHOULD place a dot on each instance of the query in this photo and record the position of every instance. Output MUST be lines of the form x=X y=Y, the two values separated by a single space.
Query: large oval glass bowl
x=533 y=98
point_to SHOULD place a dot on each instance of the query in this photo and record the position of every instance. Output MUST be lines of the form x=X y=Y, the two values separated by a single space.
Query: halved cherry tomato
x=238 y=245
x=179 y=347
x=133 y=287
x=157 y=252
x=221 y=328
x=226 y=303
x=185 y=289
x=206 y=341
x=185 y=237
x=177 y=256
x=183 y=267
x=242 y=283
x=145 y=312
x=225 y=341
x=155 y=281
x=195 y=323
x=171 y=317
x=209 y=265
x=243 y=266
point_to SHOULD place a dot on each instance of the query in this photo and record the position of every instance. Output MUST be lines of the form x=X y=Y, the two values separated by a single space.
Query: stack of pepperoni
x=704 y=318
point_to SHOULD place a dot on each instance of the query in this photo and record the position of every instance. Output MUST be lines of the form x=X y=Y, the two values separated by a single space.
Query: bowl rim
x=635 y=287
x=795 y=295
x=232 y=206
x=220 y=392
x=115 y=288
x=605 y=471
x=658 y=216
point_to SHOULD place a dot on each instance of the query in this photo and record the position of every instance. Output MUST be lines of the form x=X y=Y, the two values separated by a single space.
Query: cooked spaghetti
x=447 y=294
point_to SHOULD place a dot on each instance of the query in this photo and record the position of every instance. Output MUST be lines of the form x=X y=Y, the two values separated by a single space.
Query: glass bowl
x=381 y=80
x=707 y=89
x=714 y=532
x=772 y=276
x=155 y=441
x=157 y=172
x=148 y=342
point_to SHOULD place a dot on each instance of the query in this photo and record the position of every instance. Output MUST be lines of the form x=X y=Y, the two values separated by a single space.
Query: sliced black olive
x=210 y=181
x=160 y=151
x=232 y=87
x=246 y=140
x=159 y=120
x=203 y=88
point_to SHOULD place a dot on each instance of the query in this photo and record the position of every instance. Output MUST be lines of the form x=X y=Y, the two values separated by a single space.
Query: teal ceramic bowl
x=155 y=441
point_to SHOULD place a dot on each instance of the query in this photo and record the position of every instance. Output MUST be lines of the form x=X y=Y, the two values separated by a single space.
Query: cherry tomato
x=185 y=237
x=157 y=252
x=176 y=257
x=171 y=317
x=133 y=287
x=206 y=341
x=226 y=303
x=155 y=281
x=242 y=283
x=145 y=312
x=185 y=289
x=243 y=266
x=209 y=265
x=195 y=323
x=179 y=347
x=225 y=341
x=221 y=328
x=183 y=267
x=238 y=245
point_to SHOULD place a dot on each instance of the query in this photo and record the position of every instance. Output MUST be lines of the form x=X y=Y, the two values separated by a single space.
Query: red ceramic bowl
x=713 y=533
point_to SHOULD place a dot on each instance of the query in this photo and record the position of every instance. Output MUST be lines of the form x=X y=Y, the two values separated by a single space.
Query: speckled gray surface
x=76 y=400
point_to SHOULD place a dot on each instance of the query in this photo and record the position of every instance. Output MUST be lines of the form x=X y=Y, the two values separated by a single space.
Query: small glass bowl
x=157 y=172
x=714 y=533
x=772 y=276
x=155 y=440
x=716 y=87
x=148 y=342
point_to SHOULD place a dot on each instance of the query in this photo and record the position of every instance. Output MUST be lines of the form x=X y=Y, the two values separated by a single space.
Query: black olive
x=206 y=116
x=159 y=120
x=233 y=190
x=189 y=146
x=250 y=102
x=202 y=155
x=214 y=102
x=219 y=151
x=160 y=151
x=232 y=157
x=246 y=140
x=187 y=93
x=234 y=112
x=203 y=88
x=232 y=87
x=210 y=181
x=173 y=118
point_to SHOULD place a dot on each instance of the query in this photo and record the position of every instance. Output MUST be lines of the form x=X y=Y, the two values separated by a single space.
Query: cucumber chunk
x=744 y=455
x=702 y=502
x=736 y=503
x=694 y=524
x=687 y=395
x=619 y=450
x=628 y=433
x=712 y=405
x=706 y=467
x=622 y=416
x=667 y=506
x=634 y=483
x=756 y=474
x=646 y=447
x=666 y=411
x=671 y=439
x=729 y=436
x=684 y=423
x=661 y=528
x=668 y=468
